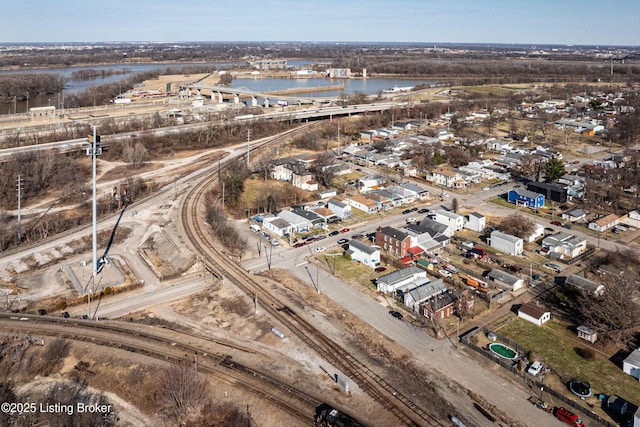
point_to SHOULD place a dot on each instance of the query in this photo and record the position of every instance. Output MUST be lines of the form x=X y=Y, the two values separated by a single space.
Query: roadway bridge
x=218 y=92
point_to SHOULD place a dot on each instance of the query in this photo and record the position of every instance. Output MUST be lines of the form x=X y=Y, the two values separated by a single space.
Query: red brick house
x=393 y=241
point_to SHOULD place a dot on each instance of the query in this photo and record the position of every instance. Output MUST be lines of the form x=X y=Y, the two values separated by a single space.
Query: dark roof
x=532 y=310
x=393 y=233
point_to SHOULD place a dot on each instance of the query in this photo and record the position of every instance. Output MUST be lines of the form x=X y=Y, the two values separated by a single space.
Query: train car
x=328 y=416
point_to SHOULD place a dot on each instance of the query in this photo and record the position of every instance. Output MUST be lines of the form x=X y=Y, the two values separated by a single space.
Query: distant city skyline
x=570 y=22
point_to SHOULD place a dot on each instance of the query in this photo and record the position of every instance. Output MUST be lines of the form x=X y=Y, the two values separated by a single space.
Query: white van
x=254 y=227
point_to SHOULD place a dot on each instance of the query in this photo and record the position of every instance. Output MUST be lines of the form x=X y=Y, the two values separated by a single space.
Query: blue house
x=522 y=197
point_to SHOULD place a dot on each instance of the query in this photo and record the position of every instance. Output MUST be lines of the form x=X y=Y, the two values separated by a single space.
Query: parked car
x=535 y=368
x=568 y=226
x=556 y=223
x=445 y=273
x=515 y=269
x=357 y=236
x=568 y=417
x=414 y=209
x=342 y=241
x=275 y=242
x=334 y=233
x=299 y=245
x=320 y=238
x=411 y=220
x=450 y=268
x=381 y=269
x=396 y=314
x=423 y=210
x=345 y=230
x=552 y=266
x=321 y=249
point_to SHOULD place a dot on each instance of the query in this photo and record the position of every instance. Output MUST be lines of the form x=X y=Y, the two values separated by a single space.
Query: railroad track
x=391 y=399
x=170 y=346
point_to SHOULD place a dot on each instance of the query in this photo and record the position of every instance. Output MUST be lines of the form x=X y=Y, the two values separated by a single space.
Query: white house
x=392 y=281
x=475 y=222
x=277 y=226
x=538 y=231
x=534 y=314
x=563 y=245
x=631 y=365
x=340 y=209
x=451 y=219
x=605 y=223
x=363 y=203
x=573 y=215
x=363 y=253
x=632 y=219
x=418 y=192
x=299 y=224
x=506 y=243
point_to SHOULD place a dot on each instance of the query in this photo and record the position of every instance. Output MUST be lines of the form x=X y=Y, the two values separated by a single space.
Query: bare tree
x=183 y=392
x=516 y=225
x=134 y=153
x=613 y=314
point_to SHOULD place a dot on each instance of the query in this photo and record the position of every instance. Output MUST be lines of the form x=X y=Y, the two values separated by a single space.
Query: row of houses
x=410 y=285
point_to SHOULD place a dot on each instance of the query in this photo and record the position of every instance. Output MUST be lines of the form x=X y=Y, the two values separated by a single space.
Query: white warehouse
x=506 y=243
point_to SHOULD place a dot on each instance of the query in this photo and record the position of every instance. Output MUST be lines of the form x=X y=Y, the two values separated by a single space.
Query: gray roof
x=362 y=247
x=280 y=223
x=503 y=276
x=476 y=214
x=337 y=203
x=412 y=187
x=433 y=227
x=575 y=212
x=400 y=275
x=427 y=290
x=633 y=358
x=525 y=193
x=583 y=283
x=504 y=236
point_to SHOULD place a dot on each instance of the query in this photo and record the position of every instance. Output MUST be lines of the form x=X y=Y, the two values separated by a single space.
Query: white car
x=411 y=220
x=445 y=273
x=535 y=368
x=275 y=242
x=321 y=249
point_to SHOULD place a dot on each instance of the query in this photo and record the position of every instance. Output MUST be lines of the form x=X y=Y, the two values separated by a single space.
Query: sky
x=585 y=22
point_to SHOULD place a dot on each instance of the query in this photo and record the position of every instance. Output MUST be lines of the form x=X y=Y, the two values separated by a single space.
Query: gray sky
x=457 y=21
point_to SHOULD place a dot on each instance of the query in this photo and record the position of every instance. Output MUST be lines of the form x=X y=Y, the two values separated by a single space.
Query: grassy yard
x=560 y=349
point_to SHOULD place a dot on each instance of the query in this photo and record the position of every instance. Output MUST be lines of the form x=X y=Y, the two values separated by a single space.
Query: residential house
x=441 y=306
x=313 y=218
x=390 y=282
x=428 y=238
x=326 y=214
x=534 y=314
x=585 y=285
x=298 y=223
x=447 y=178
x=418 y=192
x=327 y=193
x=277 y=226
x=435 y=228
x=506 y=281
x=393 y=241
x=363 y=253
x=506 y=243
x=574 y=215
x=363 y=203
x=553 y=192
x=413 y=298
x=604 y=223
x=449 y=218
x=521 y=197
x=631 y=365
x=563 y=246
x=340 y=209
x=631 y=219
x=475 y=222
x=538 y=231
x=369 y=183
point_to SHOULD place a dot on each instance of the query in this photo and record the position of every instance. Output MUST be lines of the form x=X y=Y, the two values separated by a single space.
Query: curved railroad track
x=172 y=346
x=371 y=383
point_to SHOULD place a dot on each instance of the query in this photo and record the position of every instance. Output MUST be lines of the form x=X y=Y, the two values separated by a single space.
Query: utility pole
x=19 y=187
x=248 y=147
x=94 y=151
x=338 y=139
